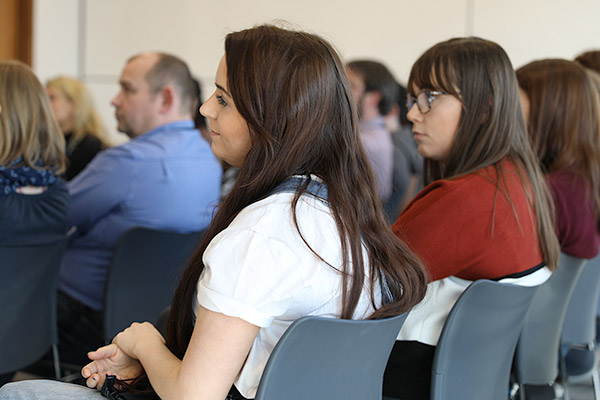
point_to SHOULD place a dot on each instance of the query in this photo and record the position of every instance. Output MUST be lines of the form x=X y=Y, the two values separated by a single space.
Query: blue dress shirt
x=167 y=178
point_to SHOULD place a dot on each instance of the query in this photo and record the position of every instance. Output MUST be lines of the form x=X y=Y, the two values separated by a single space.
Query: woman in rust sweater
x=483 y=213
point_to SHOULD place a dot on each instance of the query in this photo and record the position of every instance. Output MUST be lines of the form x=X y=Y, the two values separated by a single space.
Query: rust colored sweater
x=467 y=228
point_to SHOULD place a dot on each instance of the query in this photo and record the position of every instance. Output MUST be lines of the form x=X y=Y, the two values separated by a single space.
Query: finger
x=92 y=381
x=89 y=369
x=103 y=352
x=100 y=381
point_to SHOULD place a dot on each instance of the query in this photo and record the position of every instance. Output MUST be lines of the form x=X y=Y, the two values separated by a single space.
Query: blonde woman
x=74 y=110
x=34 y=201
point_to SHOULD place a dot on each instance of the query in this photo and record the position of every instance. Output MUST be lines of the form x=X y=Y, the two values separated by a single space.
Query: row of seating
x=495 y=334
x=142 y=278
x=493 y=329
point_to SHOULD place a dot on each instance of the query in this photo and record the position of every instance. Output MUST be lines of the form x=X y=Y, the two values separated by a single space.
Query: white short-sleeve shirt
x=260 y=270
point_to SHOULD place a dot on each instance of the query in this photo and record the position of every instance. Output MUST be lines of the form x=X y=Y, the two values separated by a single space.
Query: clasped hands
x=119 y=358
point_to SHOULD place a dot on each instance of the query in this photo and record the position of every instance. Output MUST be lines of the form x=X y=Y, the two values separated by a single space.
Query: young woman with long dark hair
x=484 y=212
x=301 y=233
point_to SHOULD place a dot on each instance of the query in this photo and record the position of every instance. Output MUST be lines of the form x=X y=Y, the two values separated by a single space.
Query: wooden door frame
x=20 y=29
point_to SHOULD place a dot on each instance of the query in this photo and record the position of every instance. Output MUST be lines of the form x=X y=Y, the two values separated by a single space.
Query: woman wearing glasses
x=483 y=213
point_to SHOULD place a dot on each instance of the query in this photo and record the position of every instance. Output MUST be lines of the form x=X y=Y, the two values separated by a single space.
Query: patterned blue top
x=166 y=179
x=13 y=177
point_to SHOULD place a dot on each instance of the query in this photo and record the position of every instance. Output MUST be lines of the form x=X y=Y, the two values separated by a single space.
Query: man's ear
x=372 y=98
x=394 y=111
x=167 y=99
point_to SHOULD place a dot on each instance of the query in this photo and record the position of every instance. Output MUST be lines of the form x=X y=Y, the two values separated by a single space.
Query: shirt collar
x=172 y=126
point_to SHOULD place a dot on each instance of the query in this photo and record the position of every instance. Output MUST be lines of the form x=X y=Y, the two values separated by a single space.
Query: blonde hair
x=86 y=120
x=27 y=125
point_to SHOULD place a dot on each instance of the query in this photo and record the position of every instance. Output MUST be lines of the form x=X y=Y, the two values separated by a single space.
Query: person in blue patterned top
x=34 y=202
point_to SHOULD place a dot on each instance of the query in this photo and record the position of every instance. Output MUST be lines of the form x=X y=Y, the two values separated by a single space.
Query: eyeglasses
x=423 y=100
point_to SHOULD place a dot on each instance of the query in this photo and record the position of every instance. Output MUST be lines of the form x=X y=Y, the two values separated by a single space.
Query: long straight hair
x=491 y=128
x=292 y=90
x=564 y=119
x=86 y=120
x=27 y=125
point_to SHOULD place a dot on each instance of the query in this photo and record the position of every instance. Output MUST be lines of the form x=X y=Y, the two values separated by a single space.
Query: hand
x=137 y=333
x=110 y=360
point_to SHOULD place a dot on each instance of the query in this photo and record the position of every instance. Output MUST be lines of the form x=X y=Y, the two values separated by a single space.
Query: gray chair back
x=325 y=358
x=28 y=302
x=537 y=355
x=580 y=319
x=579 y=329
x=143 y=276
x=473 y=357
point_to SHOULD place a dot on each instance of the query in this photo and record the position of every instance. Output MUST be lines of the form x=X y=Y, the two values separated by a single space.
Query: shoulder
x=272 y=216
x=464 y=198
x=90 y=141
x=272 y=220
x=170 y=141
x=448 y=189
x=263 y=239
x=566 y=181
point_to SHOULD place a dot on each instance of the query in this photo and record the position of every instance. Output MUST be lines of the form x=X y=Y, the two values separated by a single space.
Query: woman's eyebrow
x=222 y=89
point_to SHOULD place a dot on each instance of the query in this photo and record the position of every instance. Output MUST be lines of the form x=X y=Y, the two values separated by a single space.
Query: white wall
x=91 y=39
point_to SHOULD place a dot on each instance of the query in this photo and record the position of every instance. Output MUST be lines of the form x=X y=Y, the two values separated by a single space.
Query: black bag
x=110 y=392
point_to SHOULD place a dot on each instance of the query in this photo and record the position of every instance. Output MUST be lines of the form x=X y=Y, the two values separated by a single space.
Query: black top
x=81 y=155
x=35 y=219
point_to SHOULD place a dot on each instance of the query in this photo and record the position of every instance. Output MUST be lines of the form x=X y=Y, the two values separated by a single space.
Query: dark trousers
x=234 y=394
x=408 y=372
x=80 y=330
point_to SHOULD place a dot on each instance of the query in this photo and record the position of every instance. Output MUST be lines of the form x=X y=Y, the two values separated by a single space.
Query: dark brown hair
x=590 y=59
x=564 y=118
x=491 y=128
x=377 y=78
x=292 y=90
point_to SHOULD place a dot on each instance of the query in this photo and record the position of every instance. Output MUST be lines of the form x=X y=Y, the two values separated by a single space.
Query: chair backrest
x=325 y=358
x=536 y=357
x=580 y=320
x=28 y=302
x=473 y=357
x=143 y=275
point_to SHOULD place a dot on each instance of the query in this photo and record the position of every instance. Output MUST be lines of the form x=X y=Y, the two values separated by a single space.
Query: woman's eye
x=221 y=101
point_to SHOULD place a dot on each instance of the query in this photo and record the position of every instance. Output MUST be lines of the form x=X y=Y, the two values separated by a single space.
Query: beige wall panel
x=395 y=32
x=530 y=30
x=93 y=38
x=55 y=38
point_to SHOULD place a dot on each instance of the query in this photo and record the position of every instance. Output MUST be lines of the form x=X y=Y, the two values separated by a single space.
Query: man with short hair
x=374 y=91
x=166 y=178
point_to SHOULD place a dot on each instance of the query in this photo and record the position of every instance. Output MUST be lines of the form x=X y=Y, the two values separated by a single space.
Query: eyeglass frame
x=431 y=95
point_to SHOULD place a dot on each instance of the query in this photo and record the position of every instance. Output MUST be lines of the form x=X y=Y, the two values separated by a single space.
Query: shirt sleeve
x=250 y=276
x=99 y=188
